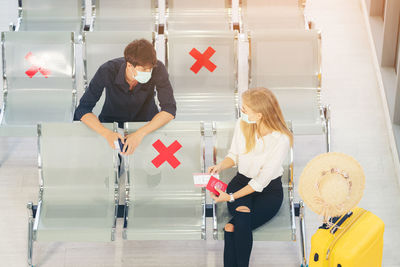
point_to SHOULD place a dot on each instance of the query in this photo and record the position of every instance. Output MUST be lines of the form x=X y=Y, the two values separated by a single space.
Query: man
x=129 y=82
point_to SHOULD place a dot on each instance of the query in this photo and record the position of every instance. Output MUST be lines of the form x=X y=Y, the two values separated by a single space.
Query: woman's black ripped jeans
x=260 y=206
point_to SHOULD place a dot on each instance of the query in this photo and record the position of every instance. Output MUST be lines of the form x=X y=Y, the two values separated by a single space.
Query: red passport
x=214 y=182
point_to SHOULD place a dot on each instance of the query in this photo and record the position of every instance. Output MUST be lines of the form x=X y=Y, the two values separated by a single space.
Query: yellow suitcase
x=355 y=240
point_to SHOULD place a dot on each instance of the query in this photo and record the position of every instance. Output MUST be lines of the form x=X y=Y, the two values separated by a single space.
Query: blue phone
x=121 y=145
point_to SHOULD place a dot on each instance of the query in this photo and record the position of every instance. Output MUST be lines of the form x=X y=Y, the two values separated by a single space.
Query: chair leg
x=303 y=236
x=327 y=115
x=30 y=233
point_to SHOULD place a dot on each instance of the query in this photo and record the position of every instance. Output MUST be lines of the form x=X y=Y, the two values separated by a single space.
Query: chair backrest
x=203 y=71
x=25 y=108
x=209 y=15
x=199 y=21
x=285 y=59
x=126 y=15
x=160 y=179
x=272 y=14
x=148 y=177
x=216 y=69
x=74 y=156
x=101 y=46
x=273 y=19
x=52 y=9
x=198 y=6
x=206 y=107
x=39 y=77
x=259 y=5
x=124 y=8
x=42 y=60
x=49 y=15
x=299 y=105
x=79 y=184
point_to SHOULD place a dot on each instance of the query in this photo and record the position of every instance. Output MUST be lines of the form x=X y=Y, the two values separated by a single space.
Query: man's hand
x=132 y=141
x=111 y=136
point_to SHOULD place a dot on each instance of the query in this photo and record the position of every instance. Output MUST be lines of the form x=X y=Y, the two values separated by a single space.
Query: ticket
x=201 y=179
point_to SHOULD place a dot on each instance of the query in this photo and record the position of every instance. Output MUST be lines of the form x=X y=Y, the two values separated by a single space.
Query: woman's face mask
x=245 y=118
x=245 y=114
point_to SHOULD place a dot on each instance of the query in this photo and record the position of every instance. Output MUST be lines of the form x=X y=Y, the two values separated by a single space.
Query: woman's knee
x=243 y=209
x=229 y=227
x=243 y=218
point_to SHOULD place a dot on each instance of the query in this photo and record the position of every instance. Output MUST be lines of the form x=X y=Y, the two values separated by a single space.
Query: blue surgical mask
x=245 y=118
x=143 y=76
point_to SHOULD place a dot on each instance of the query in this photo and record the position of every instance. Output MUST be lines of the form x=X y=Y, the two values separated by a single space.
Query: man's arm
x=168 y=109
x=92 y=94
x=86 y=104
x=159 y=120
x=93 y=122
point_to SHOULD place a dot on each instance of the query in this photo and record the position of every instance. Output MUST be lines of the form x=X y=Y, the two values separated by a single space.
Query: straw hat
x=332 y=184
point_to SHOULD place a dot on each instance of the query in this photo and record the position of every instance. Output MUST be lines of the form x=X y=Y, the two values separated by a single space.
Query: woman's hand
x=215 y=169
x=223 y=197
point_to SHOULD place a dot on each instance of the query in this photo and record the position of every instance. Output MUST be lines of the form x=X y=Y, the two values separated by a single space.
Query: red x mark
x=166 y=154
x=202 y=60
x=35 y=69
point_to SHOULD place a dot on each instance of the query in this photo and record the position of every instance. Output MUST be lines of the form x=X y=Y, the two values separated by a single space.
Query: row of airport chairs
x=150 y=15
x=79 y=188
x=40 y=84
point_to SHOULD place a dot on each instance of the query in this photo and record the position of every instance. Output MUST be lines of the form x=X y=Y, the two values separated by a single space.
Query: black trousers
x=263 y=207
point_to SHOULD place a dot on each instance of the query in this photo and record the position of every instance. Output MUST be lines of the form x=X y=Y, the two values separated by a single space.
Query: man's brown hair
x=140 y=53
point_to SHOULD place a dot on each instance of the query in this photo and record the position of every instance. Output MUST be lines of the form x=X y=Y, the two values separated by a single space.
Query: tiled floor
x=358 y=128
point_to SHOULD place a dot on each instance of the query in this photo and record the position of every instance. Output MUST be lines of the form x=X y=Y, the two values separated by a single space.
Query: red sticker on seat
x=166 y=154
x=35 y=69
x=203 y=60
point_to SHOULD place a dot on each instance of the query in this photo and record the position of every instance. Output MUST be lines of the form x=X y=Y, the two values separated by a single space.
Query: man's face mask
x=143 y=76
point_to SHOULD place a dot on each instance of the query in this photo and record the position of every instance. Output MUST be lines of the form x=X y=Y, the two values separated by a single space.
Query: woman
x=260 y=144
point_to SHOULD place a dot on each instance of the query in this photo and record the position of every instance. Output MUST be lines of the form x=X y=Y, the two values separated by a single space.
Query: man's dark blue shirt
x=124 y=105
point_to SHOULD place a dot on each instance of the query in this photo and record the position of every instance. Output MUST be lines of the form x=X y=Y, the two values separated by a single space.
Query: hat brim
x=313 y=172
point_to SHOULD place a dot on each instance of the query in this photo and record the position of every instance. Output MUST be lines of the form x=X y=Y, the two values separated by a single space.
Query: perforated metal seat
x=124 y=15
x=163 y=203
x=273 y=14
x=78 y=198
x=203 y=72
x=199 y=15
x=39 y=71
x=51 y=15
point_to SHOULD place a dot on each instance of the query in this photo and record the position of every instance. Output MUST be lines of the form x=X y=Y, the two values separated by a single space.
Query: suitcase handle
x=346 y=228
x=341 y=220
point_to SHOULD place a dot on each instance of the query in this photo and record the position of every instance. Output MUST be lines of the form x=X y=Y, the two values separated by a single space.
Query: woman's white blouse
x=264 y=162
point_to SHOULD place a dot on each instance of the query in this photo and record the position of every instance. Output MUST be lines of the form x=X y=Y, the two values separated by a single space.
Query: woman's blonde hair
x=262 y=100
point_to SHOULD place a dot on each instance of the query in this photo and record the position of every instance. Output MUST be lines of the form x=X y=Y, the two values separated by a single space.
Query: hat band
x=326 y=207
x=340 y=172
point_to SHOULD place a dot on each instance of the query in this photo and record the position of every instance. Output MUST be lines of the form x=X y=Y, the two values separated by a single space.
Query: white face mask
x=143 y=76
x=245 y=118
